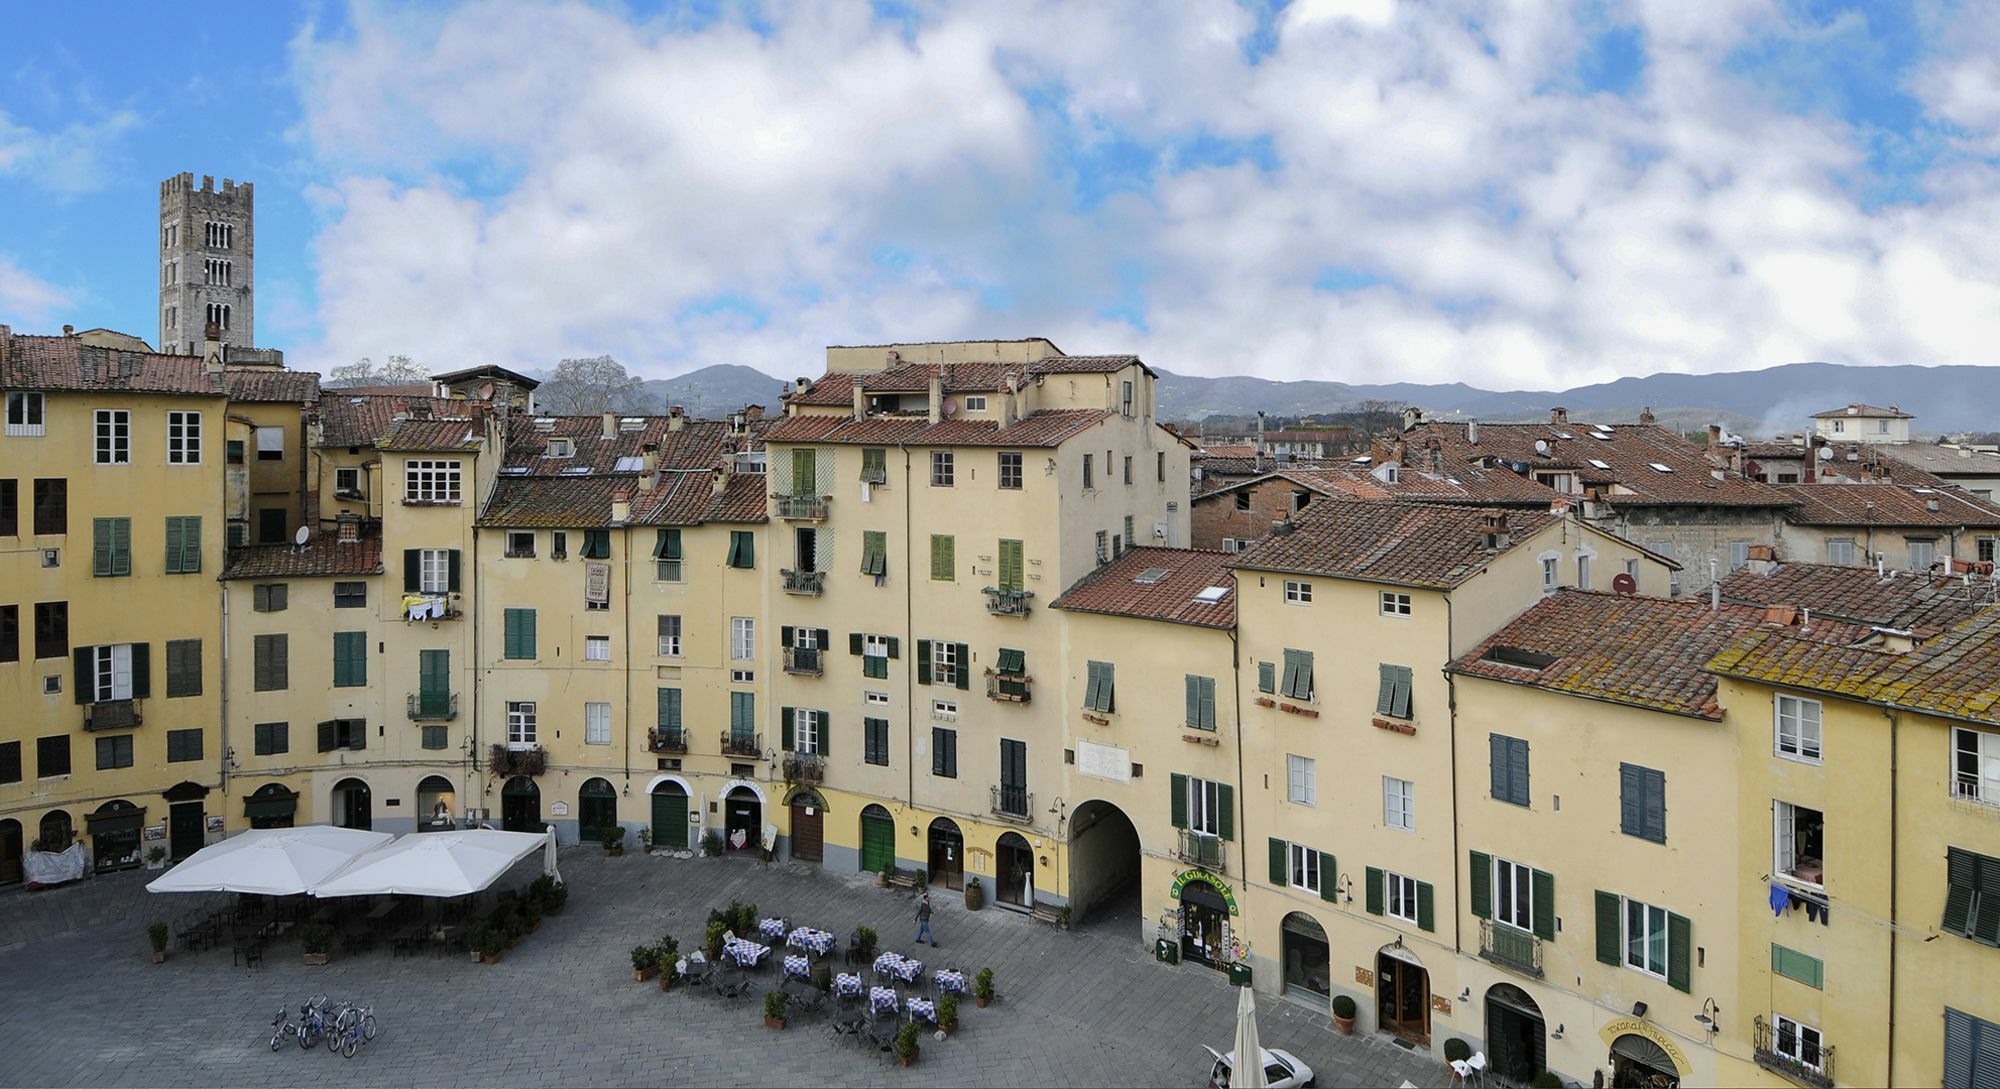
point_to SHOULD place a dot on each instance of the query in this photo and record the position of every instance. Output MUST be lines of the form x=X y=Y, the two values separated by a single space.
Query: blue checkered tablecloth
x=921 y=1009
x=818 y=942
x=882 y=999
x=797 y=967
x=745 y=953
x=846 y=984
x=949 y=981
x=774 y=929
x=899 y=966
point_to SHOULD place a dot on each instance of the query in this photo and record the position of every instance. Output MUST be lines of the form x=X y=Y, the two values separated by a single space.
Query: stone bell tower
x=207 y=263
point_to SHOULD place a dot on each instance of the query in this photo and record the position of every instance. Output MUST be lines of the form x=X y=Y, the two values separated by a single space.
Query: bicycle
x=315 y=1018
x=355 y=1026
x=281 y=1027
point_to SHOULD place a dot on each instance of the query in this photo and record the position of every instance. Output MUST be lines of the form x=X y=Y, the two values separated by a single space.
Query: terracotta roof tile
x=324 y=556
x=68 y=365
x=697 y=444
x=1049 y=427
x=976 y=376
x=1865 y=411
x=1921 y=603
x=555 y=501
x=1943 y=461
x=1114 y=589
x=1627 y=453
x=271 y=384
x=1467 y=484
x=1898 y=505
x=352 y=418
x=441 y=434
x=1392 y=541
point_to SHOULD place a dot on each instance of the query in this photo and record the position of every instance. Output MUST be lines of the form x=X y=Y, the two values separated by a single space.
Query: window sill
x=1404 y=727
x=1810 y=761
x=1295 y=709
x=433 y=503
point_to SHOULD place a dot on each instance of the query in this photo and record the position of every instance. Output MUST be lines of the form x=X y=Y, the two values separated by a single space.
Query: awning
x=276 y=803
x=121 y=820
x=433 y=864
x=269 y=861
x=1645 y=1052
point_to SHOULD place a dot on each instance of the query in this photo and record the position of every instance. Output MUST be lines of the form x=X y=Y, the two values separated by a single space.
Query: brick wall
x=1217 y=516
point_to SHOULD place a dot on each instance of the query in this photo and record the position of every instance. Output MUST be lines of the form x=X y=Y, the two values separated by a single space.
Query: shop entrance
x=1403 y=996
x=10 y=852
x=947 y=854
x=114 y=834
x=273 y=806
x=1016 y=861
x=670 y=816
x=1204 y=924
x=1639 y=1063
x=878 y=839
x=521 y=805
x=596 y=810
x=1307 y=957
x=808 y=826
x=352 y=807
x=1515 y=1033
x=743 y=819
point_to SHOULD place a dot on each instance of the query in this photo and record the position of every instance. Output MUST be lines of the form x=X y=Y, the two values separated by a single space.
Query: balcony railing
x=805 y=661
x=432 y=706
x=1013 y=802
x=803 y=508
x=1009 y=687
x=1971 y=788
x=504 y=761
x=1813 y=1067
x=735 y=744
x=802 y=767
x=1203 y=849
x=1510 y=947
x=429 y=605
x=804 y=583
x=112 y=715
x=667 y=739
x=1001 y=602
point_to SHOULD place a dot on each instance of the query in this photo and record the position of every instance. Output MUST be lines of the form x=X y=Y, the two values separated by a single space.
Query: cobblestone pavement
x=84 y=1005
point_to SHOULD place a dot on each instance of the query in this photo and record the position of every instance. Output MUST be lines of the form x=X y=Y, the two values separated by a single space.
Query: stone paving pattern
x=84 y=1005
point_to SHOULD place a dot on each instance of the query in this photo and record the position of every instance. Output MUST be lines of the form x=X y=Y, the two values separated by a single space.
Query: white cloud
x=67 y=161
x=853 y=184
x=25 y=298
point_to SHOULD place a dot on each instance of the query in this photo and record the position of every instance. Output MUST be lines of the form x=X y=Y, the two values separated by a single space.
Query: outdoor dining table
x=949 y=981
x=797 y=967
x=746 y=954
x=773 y=929
x=381 y=911
x=817 y=942
x=921 y=1009
x=900 y=967
x=882 y=999
x=847 y=984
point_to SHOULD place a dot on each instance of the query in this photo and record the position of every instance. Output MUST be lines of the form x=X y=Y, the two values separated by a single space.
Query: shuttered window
x=270 y=597
x=944 y=752
x=114 y=752
x=943 y=559
x=875 y=553
x=742 y=714
x=271 y=655
x=669 y=710
x=1971 y=1051
x=1267 y=677
x=518 y=640
x=1972 y=896
x=1298 y=680
x=1510 y=768
x=1392 y=695
x=596 y=544
x=350 y=659
x=876 y=740
x=183 y=667
x=111 y=547
x=51 y=496
x=184 y=545
x=272 y=738
x=1642 y=807
x=1010 y=565
x=1793 y=964
x=1645 y=938
x=1097 y=692
x=183 y=745
x=667 y=554
x=10 y=633
x=874 y=465
x=1200 y=702
x=742 y=548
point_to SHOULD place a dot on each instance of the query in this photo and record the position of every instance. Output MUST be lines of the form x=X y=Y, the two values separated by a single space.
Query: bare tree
x=585 y=387
x=399 y=370
x=1375 y=417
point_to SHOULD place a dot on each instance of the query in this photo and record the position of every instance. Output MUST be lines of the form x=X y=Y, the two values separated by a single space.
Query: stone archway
x=1516 y=1035
x=1103 y=865
x=353 y=806
x=946 y=854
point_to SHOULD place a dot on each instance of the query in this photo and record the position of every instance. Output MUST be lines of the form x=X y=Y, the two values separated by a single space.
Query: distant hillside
x=716 y=390
x=1763 y=402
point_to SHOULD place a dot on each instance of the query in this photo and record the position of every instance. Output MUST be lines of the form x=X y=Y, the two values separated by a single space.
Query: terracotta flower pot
x=641 y=975
x=159 y=956
x=906 y=1060
x=490 y=958
x=667 y=982
x=981 y=1000
x=315 y=958
x=774 y=1022
x=1344 y=1024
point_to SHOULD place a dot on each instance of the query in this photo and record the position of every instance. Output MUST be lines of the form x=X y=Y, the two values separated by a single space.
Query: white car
x=1282 y=1069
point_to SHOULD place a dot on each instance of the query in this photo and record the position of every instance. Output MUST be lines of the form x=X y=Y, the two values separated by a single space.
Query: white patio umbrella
x=1249 y=1071
x=269 y=861
x=549 y=856
x=432 y=864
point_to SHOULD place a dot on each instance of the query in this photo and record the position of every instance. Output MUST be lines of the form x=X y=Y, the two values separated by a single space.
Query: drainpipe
x=222 y=780
x=1451 y=732
x=910 y=666
x=1895 y=724
x=627 y=732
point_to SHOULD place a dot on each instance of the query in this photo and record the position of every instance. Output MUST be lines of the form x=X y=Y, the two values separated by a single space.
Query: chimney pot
x=1558 y=415
x=611 y=425
x=1472 y=432
x=69 y=330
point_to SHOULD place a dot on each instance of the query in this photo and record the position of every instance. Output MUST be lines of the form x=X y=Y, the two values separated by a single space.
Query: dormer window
x=975 y=403
x=561 y=448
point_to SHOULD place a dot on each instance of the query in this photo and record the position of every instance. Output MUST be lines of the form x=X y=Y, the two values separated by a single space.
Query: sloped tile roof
x=353 y=418
x=1049 y=427
x=977 y=376
x=271 y=384
x=697 y=444
x=1900 y=505
x=1409 y=544
x=324 y=556
x=1628 y=453
x=486 y=371
x=1642 y=651
x=1943 y=461
x=554 y=501
x=1468 y=484
x=1957 y=674
x=1112 y=589
x=1922 y=603
x=446 y=434
x=682 y=497
x=1793 y=661
x=68 y=365
x=1864 y=411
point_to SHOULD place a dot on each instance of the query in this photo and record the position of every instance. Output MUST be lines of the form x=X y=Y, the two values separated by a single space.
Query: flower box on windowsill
x=1265 y=701
x=1408 y=728
x=1096 y=720
x=1295 y=709
x=1201 y=739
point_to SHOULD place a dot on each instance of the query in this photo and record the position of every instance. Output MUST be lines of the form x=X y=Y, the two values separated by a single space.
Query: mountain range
x=1774 y=400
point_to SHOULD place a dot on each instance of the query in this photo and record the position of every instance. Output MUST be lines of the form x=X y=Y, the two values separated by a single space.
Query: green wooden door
x=434 y=682
x=670 y=817
x=597 y=810
x=805 y=478
x=878 y=840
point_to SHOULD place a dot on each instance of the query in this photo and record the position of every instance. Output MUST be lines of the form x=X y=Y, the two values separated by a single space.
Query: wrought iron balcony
x=504 y=761
x=1013 y=802
x=1009 y=687
x=1001 y=602
x=736 y=744
x=1203 y=849
x=432 y=706
x=805 y=661
x=113 y=715
x=667 y=739
x=1812 y=1067
x=804 y=583
x=803 y=508
x=1510 y=947
x=429 y=605
x=802 y=767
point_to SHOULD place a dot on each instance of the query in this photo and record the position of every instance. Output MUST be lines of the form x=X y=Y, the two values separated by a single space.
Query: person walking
x=924 y=920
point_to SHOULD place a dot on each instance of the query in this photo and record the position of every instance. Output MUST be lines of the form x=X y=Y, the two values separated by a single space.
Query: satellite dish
x=950 y=406
x=1825 y=454
x=302 y=536
x=1624 y=583
x=1542 y=447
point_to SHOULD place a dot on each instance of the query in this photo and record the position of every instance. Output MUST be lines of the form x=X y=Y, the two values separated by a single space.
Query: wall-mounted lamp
x=1347 y=887
x=1638 y=1009
x=1710 y=1017
x=1558 y=1033
x=1465 y=995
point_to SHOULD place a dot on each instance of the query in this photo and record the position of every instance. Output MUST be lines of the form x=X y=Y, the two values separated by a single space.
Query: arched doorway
x=1014 y=862
x=353 y=806
x=10 y=852
x=808 y=825
x=742 y=819
x=1103 y=864
x=1402 y=995
x=436 y=801
x=521 y=805
x=273 y=805
x=114 y=834
x=1639 y=1063
x=878 y=839
x=1307 y=957
x=596 y=809
x=185 y=834
x=1204 y=920
x=670 y=815
x=56 y=833
x=947 y=854
x=1516 y=1035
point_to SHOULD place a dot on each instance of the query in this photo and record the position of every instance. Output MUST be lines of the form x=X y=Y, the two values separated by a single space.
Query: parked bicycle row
x=342 y=1026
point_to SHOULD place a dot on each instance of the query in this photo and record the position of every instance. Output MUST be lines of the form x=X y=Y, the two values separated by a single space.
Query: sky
x=1514 y=195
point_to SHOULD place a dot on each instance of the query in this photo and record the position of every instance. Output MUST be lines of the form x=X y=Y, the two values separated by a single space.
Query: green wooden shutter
x=1517 y=771
x=1480 y=887
x=1796 y=965
x=350 y=658
x=874 y=552
x=451 y=570
x=1680 y=952
x=1291 y=671
x=804 y=480
x=1544 y=884
x=1385 y=691
x=173 y=546
x=1631 y=801
x=1207 y=703
x=1401 y=707
x=669 y=717
x=100 y=547
x=1329 y=879
x=895 y=647
x=433 y=677
x=413 y=571
x=1094 y=683
x=1177 y=784
x=1194 y=704
x=825 y=735
x=142 y=670
x=329 y=736
x=1267 y=677
x=121 y=546
x=1426 y=905
x=855 y=642
x=527 y=633
x=1961 y=891
x=1280 y=871
x=943 y=561
x=923 y=661
x=1610 y=935
x=1010 y=565
x=785 y=635
x=86 y=675
x=964 y=666
x=1225 y=811
x=1373 y=898
x=785 y=716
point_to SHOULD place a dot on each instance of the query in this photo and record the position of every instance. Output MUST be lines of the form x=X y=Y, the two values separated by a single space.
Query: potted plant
x=157 y=935
x=975 y=895
x=646 y=839
x=888 y=871
x=922 y=880
x=1343 y=1014
x=865 y=940
x=645 y=962
x=1062 y=918
x=745 y=920
x=1457 y=1050
x=711 y=843
x=156 y=857
x=947 y=1014
x=774 y=1010
x=711 y=939
x=317 y=941
x=669 y=952
x=982 y=987
x=1546 y=1079
x=487 y=942
x=508 y=919
x=614 y=840
x=906 y=1044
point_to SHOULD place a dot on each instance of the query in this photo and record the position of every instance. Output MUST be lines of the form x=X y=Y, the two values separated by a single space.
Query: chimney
x=621 y=506
x=676 y=418
x=1714 y=435
x=1436 y=452
x=1010 y=405
x=611 y=425
x=860 y=400
x=937 y=398
x=69 y=330
x=1412 y=416
x=1558 y=415
x=1646 y=415
x=1398 y=451
x=347 y=527
x=719 y=481
x=649 y=466
x=1895 y=408
x=1282 y=528
x=753 y=412
x=211 y=347
x=1763 y=560
x=1472 y=432
x=800 y=386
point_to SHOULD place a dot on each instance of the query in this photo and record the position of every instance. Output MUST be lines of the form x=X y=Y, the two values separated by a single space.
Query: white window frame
x=1394 y=604
x=945 y=709
x=1399 y=897
x=1583 y=571
x=596 y=723
x=1298 y=592
x=1204 y=803
x=428 y=480
x=944 y=471
x=351 y=474
x=560 y=448
x=1797 y=728
x=805 y=730
x=1302 y=867
x=596 y=648
x=1551 y=573
x=27 y=414
x=944 y=662
x=742 y=676
x=975 y=402
x=113 y=437
x=1399 y=804
x=183 y=438
x=670 y=640
x=1652 y=926
x=1922 y=554
x=1785 y=842
x=805 y=638
x=742 y=638
x=520 y=724
x=270 y=440
x=1301 y=779
x=434 y=570
x=1840 y=550
x=111 y=673
x=875 y=699
x=1513 y=894
x=1983 y=785
x=1798 y=1030
x=514 y=550
x=875 y=646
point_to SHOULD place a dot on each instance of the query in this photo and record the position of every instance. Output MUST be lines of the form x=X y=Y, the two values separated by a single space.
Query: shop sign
x=1182 y=878
x=1612 y=1030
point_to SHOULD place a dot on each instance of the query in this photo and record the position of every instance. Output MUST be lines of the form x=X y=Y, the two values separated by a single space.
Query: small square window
x=1395 y=604
x=597 y=648
x=520 y=543
x=1298 y=593
x=942 y=469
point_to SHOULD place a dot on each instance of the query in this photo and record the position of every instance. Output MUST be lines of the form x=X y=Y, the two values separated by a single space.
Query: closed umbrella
x=433 y=864
x=549 y=856
x=1249 y=1071
x=269 y=861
